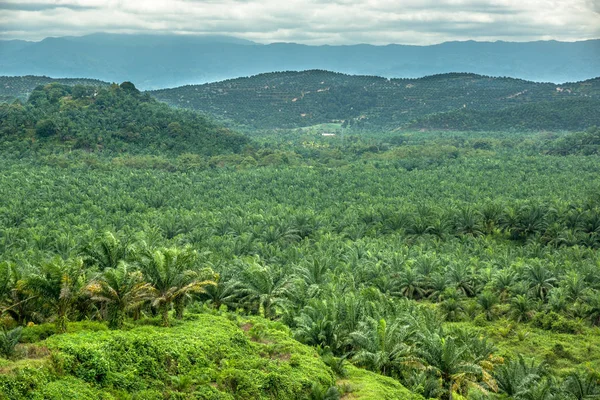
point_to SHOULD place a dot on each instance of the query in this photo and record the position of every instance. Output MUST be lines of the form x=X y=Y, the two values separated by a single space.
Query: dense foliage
x=452 y=264
x=573 y=114
x=147 y=252
x=118 y=118
x=20 y=87
x=472 y=102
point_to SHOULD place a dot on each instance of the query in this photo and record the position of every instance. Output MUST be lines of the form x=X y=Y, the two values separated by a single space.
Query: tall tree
x=174 y=274
x=57 y=285
x=121 y=289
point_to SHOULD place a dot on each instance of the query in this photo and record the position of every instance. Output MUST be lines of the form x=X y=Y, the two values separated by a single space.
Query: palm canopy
x=108 y=251
x=121 y=289
x=174 y=274
x=452 y=361
x=264 y=287
x=382 y=347
x=58 y=283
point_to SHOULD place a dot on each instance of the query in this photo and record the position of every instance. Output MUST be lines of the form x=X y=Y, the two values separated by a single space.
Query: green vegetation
x=294 y=265
x=118 y=118
x=205 y=357
x=20 y=87
x=573 y=114
x=466 y=102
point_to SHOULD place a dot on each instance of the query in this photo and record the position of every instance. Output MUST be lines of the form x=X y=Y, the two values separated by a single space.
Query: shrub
x=555 y=322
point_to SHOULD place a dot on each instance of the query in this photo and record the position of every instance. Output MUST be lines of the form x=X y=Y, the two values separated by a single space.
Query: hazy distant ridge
x=167 y=61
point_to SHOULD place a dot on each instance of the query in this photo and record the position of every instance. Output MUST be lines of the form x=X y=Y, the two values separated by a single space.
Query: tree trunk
x=61 y=323
x=179 y=308
x=164 y=311
x=116 y=318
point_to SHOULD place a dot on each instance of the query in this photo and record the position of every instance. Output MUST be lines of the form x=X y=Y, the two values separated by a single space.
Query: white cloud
x=310 y=21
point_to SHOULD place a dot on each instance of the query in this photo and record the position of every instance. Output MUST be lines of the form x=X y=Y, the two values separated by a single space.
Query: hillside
x=159 y=61
x=572 y=114
x=294 y=99
x=117 y=118
x=20 y=87
x=207 y=357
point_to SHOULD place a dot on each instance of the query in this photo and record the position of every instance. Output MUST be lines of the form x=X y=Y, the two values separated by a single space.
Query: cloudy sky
x=309 y=21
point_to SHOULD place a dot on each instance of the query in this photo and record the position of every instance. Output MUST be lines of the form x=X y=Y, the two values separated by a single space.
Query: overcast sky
x=310 y=21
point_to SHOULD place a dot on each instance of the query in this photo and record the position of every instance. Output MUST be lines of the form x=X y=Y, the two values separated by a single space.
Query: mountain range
x=159 y=61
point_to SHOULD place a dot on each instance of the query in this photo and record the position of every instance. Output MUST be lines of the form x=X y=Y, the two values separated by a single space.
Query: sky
x=418 y=22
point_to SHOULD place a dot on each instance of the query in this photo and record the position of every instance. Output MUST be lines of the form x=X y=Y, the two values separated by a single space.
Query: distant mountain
x=158 y=61
x=20 y=87
x=448 y=101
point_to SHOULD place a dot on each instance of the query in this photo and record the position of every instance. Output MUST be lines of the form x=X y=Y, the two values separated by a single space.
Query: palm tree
x=503 y=281
x=15 y=297
x=313 y=271
x=581 y=386
x=521 y=308
x=516 y=376
x=452 y=306
x=527 y=220
x=574 y=285
x=437 y=283
x=173 y=275
x=382 y=347
x=264 y=288
x=9 y=340
x=487 y=301
x=459 y=276
x=224 y=293
x=317 y=324
x=107 y=251
x=491 y=215
x=592 y=309
x=447 y=359
x=468 y=222
x=540 y=279
x=57 y=284
x=409 y=283
x=121 y=290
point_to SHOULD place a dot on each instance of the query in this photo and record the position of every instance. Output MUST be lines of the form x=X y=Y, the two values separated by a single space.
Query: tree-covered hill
x=20 y=87
x=293 y=99
x=116 y=118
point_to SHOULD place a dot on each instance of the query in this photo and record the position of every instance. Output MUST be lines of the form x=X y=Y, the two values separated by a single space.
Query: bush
x=35 y=333
x=46 y=128
x=555 y=322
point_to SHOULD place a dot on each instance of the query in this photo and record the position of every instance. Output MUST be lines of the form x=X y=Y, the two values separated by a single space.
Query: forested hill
x=20 y=87
x=117 y=118
x=294 y=99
